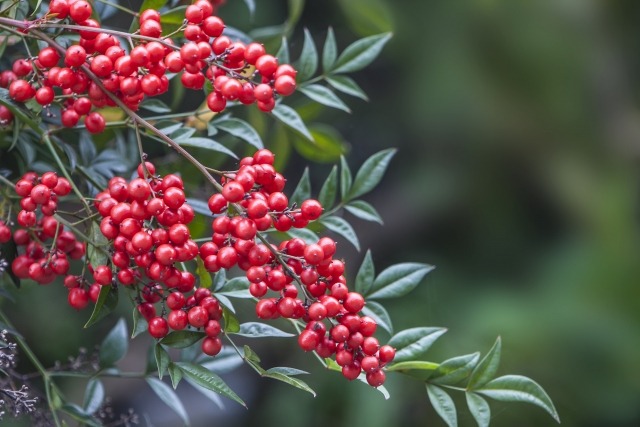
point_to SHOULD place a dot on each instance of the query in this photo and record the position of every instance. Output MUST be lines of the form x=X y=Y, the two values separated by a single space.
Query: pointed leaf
x=219 y=280
x=342 y=227
x=303 y=233
x=291 y=118
x=287 y=371
x=303 y=190
x=169 y=397
x=283 y=53
x=231 y=324
x=412 y=343
x=324 y=96
x=360 y=53
x=240 y=129
x=93 y=396
x=175 y=373
x=370 y=173
x=366 y=275
x=479 y=408
x=363 y=210
x=107 y=302
x=517 y=388
x=95 y=249
x=260 y=330
x=487 y=368
x=115 y=344
x=307 y=64
x=414 y=368
x=296 y=382
x=347 y=86
x=443 y=404
x=456 y=369
x=345 y=178
x=329 y=51
x=398 y=280
x=209 y=380
x=212 y=396
x=378 y=313
x=140 y=324
x=155 y=105
x=329 y=189
x=182 y=339
x=207 y=143
x=162 y=359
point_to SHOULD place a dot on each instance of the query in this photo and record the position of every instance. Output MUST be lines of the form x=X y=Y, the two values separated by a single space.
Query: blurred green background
x=518 y=135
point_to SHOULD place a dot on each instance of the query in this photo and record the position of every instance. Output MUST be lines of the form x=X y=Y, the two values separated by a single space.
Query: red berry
x=158 y=327
x=211 y=346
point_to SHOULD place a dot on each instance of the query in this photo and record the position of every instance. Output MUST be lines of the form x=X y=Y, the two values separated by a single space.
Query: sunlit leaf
x=342 y=227
x=412 y=343
x=487 y=368
x=207 y=379
x=291 y=118
x=307 y=64
x=324 y=96
x=360 y=53
x=370 y=173
x=456 y=369
x=398 y=280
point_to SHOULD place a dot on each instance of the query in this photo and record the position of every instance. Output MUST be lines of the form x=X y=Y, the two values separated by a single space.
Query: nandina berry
x=198 y=316
x=177 y=320
x=211 y=346
x=308 y=340
x=376 y=378
x=78 y=298
x=353 y=302
x=386 y=353
x=158 y=327
x=94 y=122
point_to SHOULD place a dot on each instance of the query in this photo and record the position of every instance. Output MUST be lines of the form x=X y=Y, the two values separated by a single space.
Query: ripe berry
x=78 y=298
x=94 y=122
x=376 y=378
x=158 y=327
x=211 y=346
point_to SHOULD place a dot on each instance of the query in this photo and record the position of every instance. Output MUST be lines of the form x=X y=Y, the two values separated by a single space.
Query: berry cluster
x=48 y=247
x=230 y=66
x=252 y=201
x=146 y=222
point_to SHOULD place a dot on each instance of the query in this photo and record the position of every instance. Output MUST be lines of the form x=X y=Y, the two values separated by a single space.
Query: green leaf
x=347 y=86
x=307 y=64
x=240 y=283
x=93 y=396
x=443 y=404
x=414 y=368
x=231 y=324
x=155 y=105
x=487 y=368
x=360 y=53
x=199 y=206
x=517 y=388
x=287 y=371
x=345 y=178
x=162 y=359
x=456 y=369
x=324 y=96
x=225 y=361
x=327 y=145
x=412 y=343
x=363 y=210
x=208 y=144
x=479 y=408
x=342 y=227
x=175 y=373
x=250 y=355
x=95 y=249
x=329 y=51
x=240 y=129
x=303 y=233
x=378 y=313
x=251 y=5
x=370 y=173
x=219 y=280
x=283 y=53
x=203 y=274
x=327 y=195
x=260 y=330
x=296 y=382
x=209 y=380
x=398 y=280
x=140 y=324
x=169 y=397
x=303 y=190
x=366 y=275
x=115 y=344
x=107 y=302
x=182 y=339
x=212 y=396
x=172 y=20
x=291 y=118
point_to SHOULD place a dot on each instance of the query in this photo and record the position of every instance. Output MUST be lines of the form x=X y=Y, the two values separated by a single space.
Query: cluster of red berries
x=48 y=247
x=206 y=54
x=256 y=188
x=146 y=220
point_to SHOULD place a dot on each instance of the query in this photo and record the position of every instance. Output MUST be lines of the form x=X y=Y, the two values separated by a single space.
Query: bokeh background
x=518 y=132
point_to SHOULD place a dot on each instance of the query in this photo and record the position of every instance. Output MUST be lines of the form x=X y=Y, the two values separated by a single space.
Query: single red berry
x=376 y=378
x=78 y=298
x=158 y=327
x=211 y=346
